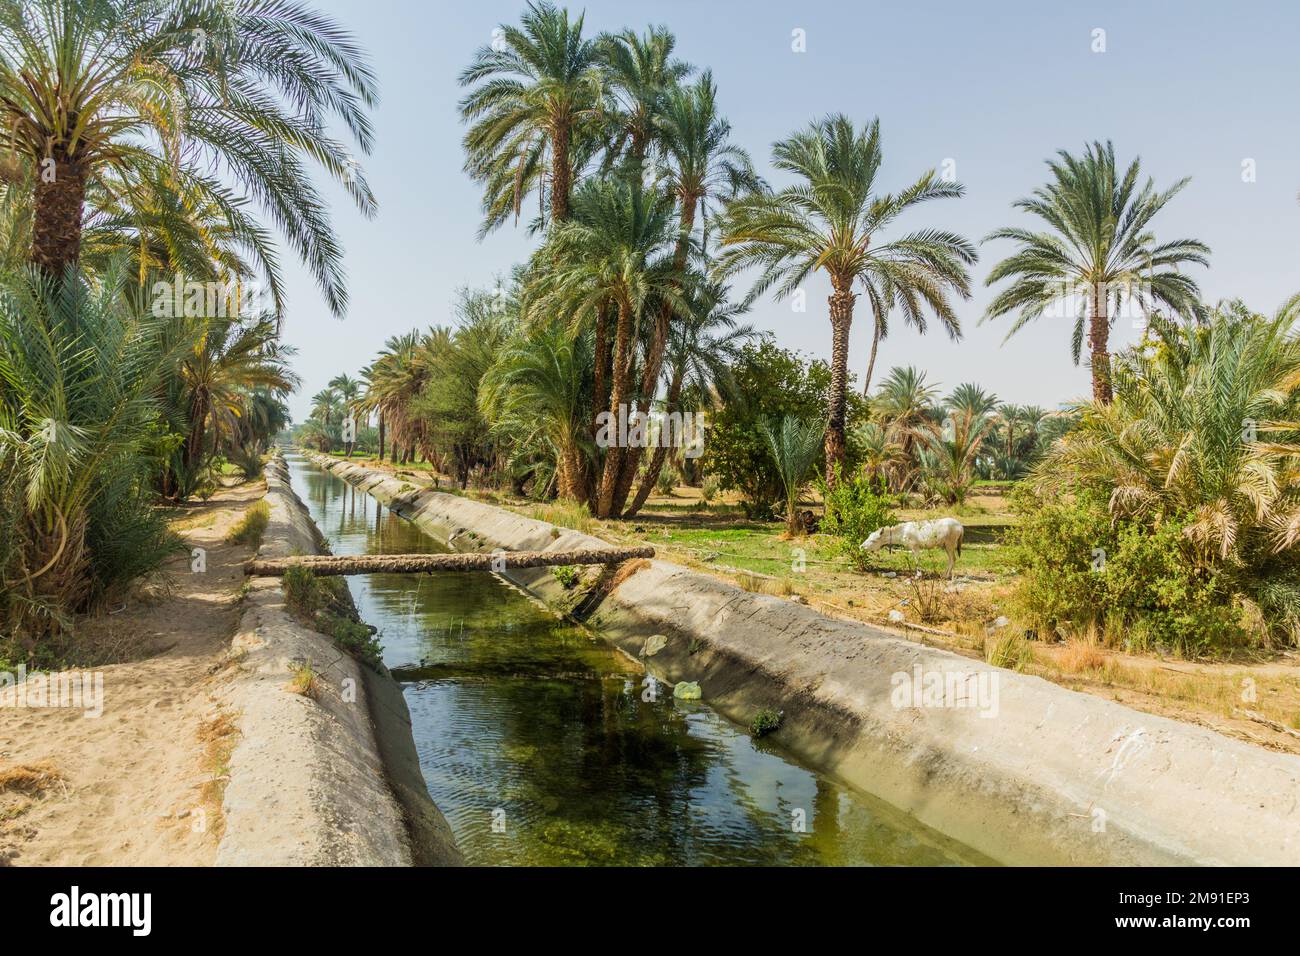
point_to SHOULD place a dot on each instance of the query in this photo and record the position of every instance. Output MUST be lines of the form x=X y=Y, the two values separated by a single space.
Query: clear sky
x=1195 y=88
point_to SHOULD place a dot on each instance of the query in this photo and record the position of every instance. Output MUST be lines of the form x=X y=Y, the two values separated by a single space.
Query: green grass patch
x=252 y=526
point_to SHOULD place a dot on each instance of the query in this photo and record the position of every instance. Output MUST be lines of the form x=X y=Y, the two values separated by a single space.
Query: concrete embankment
x=1035 y=774
x=330 y=781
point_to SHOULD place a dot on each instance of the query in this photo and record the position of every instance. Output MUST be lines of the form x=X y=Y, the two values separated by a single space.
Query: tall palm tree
x=702 y=350
x=641 y=73
x=1099 y=251
x=700 y=165
x=830 y=221
x=539 y=95
x=615 y=254
x=151 y=88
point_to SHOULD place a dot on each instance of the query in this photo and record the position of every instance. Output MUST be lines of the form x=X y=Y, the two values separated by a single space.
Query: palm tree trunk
x=871 y=362
x=654 y=360
x=599 y=401
x=1099 y=342
x=841 y=303
x=59 y=206
x=661 y=451
x=561 y=173
x=381 y=436
x=617 y=400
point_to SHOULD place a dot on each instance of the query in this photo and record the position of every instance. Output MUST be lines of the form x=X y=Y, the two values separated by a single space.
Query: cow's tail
x=959 y=540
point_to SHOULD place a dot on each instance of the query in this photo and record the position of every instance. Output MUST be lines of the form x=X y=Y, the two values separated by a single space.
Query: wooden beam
x=335 y=566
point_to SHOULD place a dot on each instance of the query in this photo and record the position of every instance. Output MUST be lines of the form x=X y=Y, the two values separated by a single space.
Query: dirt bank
x=309 y=784
x=1045 y=775
x=139 y=785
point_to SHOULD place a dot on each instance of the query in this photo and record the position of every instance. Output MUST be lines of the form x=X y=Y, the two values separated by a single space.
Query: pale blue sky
x=1194 y=88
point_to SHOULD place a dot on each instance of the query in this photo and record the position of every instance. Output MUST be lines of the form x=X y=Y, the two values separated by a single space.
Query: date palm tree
x=831 y=221
x=615 y=255
x=1099 y=253
x=641 y=73
x=539 y=392
x=700 y=165
x=702 y=349
x=535 y=113
x=794 y=444
x=139 y=89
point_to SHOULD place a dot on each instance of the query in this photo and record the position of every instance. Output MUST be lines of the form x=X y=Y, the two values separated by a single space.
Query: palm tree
x=948 y=451
x=614 y=254
x=539 y=391
x=1099 y=250
x=211 y=381
x=969 y=397
x=323 y=406
x=348 y=391
x=641 y=73
x=1206 y=426
x=903 y=403
x=700 y=165
x=81 y=371
x=539 y=96
x=702 y=350
x=158 y=91
x=830 y=221
x=795 y=445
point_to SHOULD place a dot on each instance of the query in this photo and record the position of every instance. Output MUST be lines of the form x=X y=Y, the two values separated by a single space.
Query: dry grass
x=764 y=584
x=306 y=682
x=32 y=779
x=218 y=737
x=1081 y=657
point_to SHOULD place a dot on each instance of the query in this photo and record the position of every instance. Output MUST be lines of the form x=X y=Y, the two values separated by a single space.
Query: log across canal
x=331 y=566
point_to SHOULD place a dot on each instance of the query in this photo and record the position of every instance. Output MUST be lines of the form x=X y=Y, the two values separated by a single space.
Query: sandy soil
x=141 y=784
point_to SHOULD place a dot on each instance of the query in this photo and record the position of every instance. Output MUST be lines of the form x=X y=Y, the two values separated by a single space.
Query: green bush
x=252 y=526
x=1133 y=582
x=567 y=575
x=854 y=509
x=765 y=722
x=769 y=383
x=301 y=591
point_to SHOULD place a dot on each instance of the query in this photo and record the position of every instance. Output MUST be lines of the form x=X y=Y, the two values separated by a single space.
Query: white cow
x=917 y=536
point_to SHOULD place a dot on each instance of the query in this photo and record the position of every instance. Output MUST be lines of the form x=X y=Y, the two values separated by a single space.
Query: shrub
x=252 y=526
x=768 y=383
x=1134 y=582
x=765 y=722
x=709 y=490
x=301 y=591
x=854 y=509
x=567 y=575
x=666 y=481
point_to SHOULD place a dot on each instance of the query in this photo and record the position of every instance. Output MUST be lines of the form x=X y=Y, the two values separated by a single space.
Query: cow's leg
x=952 y=560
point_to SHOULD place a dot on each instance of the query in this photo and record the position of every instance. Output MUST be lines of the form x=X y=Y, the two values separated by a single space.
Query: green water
x=538 y=743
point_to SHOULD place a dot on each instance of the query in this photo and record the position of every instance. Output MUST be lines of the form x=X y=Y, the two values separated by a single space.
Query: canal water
x=541 y=745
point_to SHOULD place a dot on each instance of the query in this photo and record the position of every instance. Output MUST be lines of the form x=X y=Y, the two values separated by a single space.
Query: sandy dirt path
x=141 y=784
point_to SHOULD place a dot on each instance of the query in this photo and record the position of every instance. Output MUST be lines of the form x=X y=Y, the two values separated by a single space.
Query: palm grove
x=140 y=290
x=648 y=219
